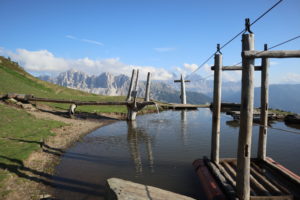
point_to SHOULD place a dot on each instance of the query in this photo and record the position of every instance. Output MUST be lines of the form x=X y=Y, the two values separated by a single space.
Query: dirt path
x=33 y=181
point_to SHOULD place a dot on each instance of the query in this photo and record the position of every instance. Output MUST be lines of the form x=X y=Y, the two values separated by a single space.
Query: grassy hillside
x=14 y=79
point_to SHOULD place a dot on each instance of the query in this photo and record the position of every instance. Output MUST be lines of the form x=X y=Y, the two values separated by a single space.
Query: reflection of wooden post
x=215 y=142
x=130 y=86
x=264 y=99
x=147 y=92
x=244 y=142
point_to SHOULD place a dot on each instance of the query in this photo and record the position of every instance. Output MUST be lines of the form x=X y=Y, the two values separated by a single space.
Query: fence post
x=215 y=142
x=147 y=92
x=264 y=101
x=246 y=121
x=130 y=86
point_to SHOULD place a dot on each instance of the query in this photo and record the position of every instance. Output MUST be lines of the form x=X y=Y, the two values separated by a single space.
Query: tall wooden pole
x=147 y=92
x=136 y=80
x=130 y=86
x=246 y=121
x=264 y=101
x=183 y=94
x=215 y=142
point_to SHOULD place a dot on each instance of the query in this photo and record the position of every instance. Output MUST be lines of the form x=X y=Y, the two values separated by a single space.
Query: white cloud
x=43 y=62
x=291 y=78
x=164 y=49
x=92 y=42
x=84 y=40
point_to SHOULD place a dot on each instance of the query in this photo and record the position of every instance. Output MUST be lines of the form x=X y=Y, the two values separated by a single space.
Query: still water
x=158 y=150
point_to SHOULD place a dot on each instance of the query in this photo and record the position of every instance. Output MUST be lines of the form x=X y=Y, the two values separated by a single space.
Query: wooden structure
x=182 y=84
x=176 y=106
x=147 y=92
x=244 y=178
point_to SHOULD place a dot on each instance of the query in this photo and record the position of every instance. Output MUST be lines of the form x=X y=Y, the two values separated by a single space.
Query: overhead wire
x=229 y=41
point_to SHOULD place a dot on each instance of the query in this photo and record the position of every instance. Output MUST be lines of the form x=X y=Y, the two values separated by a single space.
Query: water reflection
x=184 y=127
x=135 y=138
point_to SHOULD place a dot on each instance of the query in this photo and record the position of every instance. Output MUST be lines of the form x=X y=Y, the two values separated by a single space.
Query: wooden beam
x=179 y=81
x=233 y=68
x=147 y=92
x=264 y=101
x=245 y=134
x=271 y=54
x=130 y=86
x=215 y=140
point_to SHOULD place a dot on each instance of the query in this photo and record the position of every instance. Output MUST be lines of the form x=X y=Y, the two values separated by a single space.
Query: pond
x=158 y=150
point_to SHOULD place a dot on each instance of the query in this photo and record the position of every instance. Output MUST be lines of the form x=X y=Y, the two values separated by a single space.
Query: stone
x=118 y=189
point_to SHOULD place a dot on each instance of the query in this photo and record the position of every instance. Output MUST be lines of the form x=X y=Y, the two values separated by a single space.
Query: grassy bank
x=14 y=79
x=20 y=135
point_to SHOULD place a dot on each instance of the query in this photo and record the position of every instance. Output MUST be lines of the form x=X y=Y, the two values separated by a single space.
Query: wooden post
x=130 y=86
x=147 y=92
x=136 y=80
x=246 y=121
x=215 y=141
x=264 y=101
x=183 y=94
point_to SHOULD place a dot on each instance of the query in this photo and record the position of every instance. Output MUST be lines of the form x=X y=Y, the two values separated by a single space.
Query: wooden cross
x=183 y=94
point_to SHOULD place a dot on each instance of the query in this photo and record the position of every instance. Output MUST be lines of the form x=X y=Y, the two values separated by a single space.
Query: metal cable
x=256 y=20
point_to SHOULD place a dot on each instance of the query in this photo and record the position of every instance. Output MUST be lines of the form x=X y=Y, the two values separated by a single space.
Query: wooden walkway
x=268 y=180
x=183 y=106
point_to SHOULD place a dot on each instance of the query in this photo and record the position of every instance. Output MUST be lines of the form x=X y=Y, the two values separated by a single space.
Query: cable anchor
x=247 y=25
x=218 y=49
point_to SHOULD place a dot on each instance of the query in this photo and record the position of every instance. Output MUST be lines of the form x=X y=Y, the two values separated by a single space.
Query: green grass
x=14 y=79
x=20 y=135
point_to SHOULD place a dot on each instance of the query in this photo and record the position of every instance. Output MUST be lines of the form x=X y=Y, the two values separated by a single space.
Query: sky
x=165 y=37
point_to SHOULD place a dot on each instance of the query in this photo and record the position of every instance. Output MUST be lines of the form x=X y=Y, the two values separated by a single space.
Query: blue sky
x=161 y=36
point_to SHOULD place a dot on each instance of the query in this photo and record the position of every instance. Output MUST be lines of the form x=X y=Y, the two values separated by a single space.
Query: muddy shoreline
x=33 y=180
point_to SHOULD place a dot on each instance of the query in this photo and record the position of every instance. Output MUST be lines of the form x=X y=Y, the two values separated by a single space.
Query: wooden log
x=258 y=187
x=268 y=185
x=272 y=180
x=130 y=86
x=283 y=171
x=208 y=183
x=215 y=140
x=147 y=92
x=227 y=175
x=271 y=54
x=245 y=134
x=264 y=102
x=232 y=68
x=229 y=190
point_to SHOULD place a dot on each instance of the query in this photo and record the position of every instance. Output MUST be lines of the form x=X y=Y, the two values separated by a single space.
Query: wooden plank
x=284 y=197
x=208 y=183
x=264 y=102
x=215 y=140
x=270 y=54
x=233 y=68
x=245 y=135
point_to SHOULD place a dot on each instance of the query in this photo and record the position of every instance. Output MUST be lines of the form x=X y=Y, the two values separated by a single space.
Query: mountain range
x=199 y=91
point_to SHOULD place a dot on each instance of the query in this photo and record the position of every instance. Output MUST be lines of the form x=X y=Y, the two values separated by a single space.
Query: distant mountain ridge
x=117 y=85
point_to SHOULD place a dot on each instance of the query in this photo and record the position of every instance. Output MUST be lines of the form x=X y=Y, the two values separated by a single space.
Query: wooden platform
x=269 y=180
x=184 y=106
